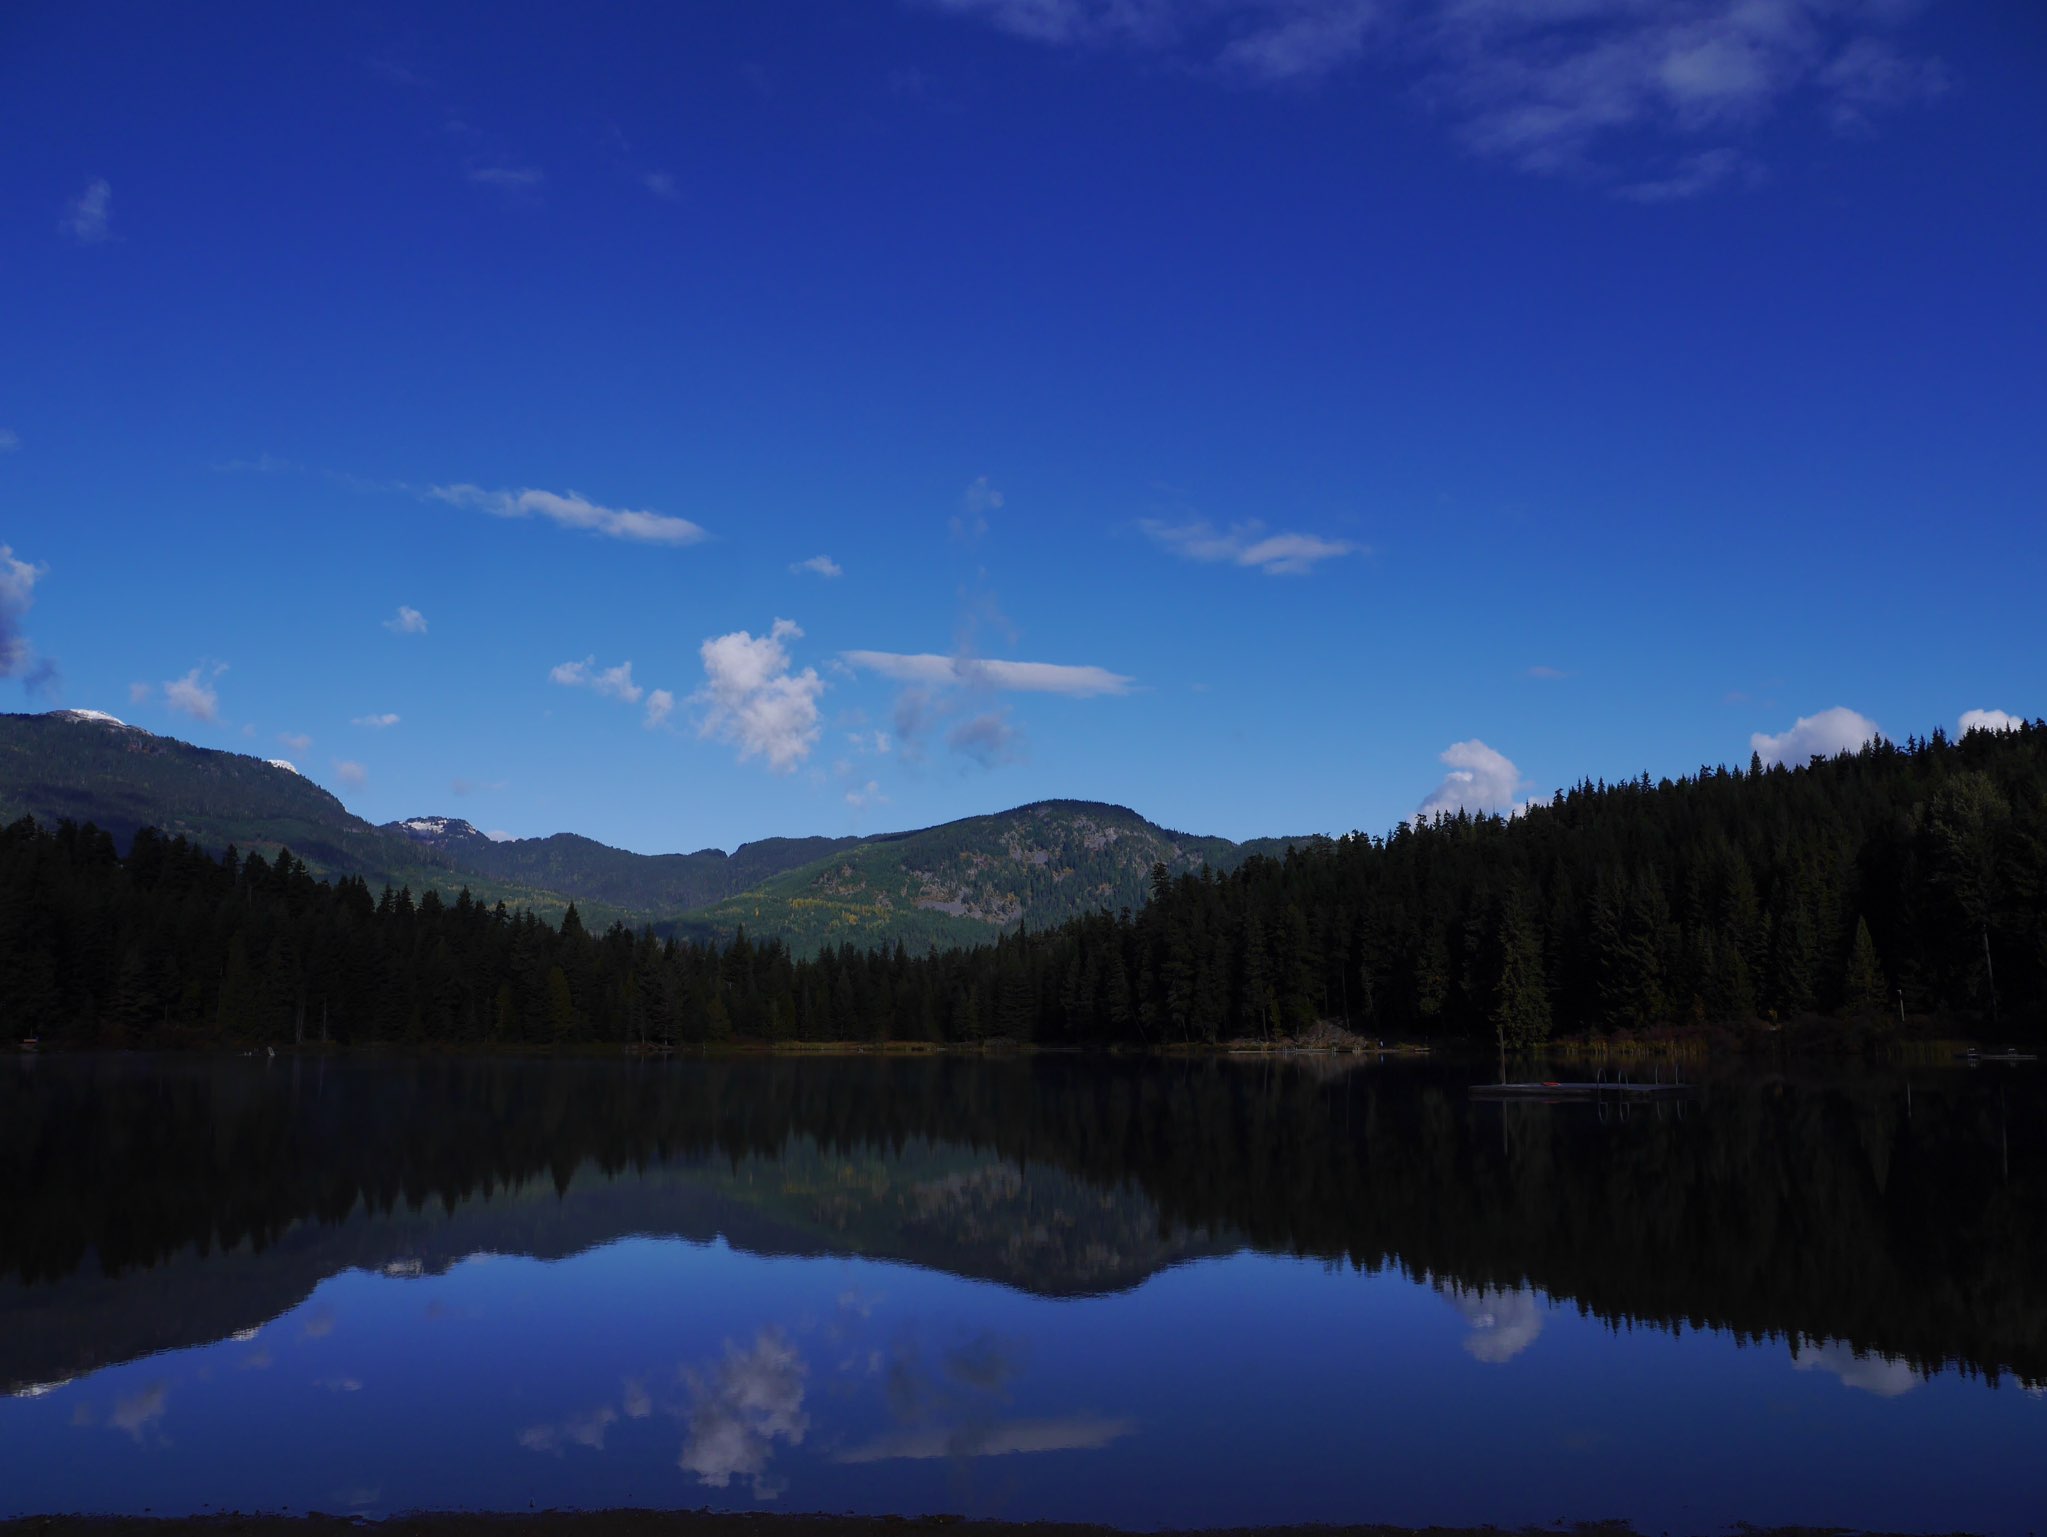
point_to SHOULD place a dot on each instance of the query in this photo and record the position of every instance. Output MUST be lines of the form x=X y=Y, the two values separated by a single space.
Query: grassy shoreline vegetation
x=1892 y=894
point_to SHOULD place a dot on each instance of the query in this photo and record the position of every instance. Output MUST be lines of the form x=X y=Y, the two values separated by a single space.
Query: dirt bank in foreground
x=661 y=1523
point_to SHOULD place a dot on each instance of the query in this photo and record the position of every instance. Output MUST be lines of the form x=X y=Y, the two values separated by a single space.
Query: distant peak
x=92 y=718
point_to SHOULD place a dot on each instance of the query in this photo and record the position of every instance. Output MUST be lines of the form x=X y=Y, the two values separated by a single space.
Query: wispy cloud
x=753 y=698
x=612 y=682
x=574 y=511
x=1609 y=88
x=512 y=180
x=351 y=773
x=1246 y=544
x=10 y=440
x=407 y=621
x=660 y=705
x=1548 y=674
x=820 y=565
x=662 y=185
x=88 y=218
x=930 y=669
x=1823 y=735
x=383 y=722
x=976 y=503
x=1002 y=1438
x=194 y=694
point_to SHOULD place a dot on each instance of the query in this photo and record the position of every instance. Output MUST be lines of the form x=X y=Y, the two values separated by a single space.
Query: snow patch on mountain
x=93 y=718
x=284 y=763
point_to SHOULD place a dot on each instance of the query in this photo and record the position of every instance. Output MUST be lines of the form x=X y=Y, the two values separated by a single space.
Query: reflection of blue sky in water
x=1866 y=1373
x=1503 y=1323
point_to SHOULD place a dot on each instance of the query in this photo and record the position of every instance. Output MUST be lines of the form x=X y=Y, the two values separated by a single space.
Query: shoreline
x=706 y=1523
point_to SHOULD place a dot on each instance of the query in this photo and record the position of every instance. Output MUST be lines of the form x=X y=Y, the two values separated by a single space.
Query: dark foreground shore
x=664 y=1523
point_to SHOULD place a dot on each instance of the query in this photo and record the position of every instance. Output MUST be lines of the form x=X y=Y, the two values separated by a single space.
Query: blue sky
x=1225 y=407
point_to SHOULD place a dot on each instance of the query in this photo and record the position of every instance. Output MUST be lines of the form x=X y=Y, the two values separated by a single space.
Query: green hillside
x=966 y=881
x=87 y=768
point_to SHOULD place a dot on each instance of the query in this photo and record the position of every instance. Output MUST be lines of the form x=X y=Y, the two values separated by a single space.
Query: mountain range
x=962 y=882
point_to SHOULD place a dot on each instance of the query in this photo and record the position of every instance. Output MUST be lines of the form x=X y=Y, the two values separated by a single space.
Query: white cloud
x=976 y=503
x=574 y=511
x=1865 y=1373
x=140 y=1412
x=866 y=796
x=1990 y=720
x=10 y=440
x=383 y=722
x=1003 y=1438
x=1480 y=780
x=511 y=179
x=18 y=580
x=587 y=1429
x=88 y=216
x=194 y=694
x=611 y=682
x=660 y=705
x=352 y=774
x=1503 y=1323
x=1577 y=86
x=1248 y=545
x=823 y=565
x=662 y=185
x=297 y=741
x=752 y=698
x=739 y=1410
x=407 y=621
x=1823 y=735
x=932 y=670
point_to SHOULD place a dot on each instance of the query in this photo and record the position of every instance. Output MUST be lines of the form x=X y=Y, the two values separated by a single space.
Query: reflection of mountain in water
x=151 y=1203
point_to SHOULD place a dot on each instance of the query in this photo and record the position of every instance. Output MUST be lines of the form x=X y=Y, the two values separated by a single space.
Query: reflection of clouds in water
x=258 y=1360
x=340 y=1384
x=141 y=1413
x=639 y=1403
x=1503 y=1323
x=1866 y=1373
x=745 y=1404
x=357 y=1498
x=319 y=1323
x=1076 y=1433
x=585 y=1429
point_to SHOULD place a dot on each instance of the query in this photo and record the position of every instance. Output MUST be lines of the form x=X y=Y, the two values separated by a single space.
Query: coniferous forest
x=1903 y=886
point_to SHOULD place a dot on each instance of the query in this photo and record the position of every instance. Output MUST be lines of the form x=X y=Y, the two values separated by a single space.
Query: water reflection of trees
x=1835 y=1208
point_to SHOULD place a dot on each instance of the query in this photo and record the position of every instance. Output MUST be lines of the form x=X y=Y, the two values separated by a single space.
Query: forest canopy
x=1903 y=880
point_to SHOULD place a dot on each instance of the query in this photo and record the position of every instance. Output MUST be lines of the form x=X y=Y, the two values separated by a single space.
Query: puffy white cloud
x=1865 y=1373
x=660 y=705
x=1246 y=544
x=194 y=694
x=1503 y=1323
x=383 y=722
x=741 y=1408
x=407 y=621
x=822 y=565
x=1480 y=779
x=350 y=773
x=18 y=580
x=611 y=682
x=88 y=217
x=1990 y=720
x=753 y=699
x=936 y=671
x=1823 y=735
x=574 y=511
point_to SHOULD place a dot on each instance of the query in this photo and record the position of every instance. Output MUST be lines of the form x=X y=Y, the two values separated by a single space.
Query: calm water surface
x=1143 y=1293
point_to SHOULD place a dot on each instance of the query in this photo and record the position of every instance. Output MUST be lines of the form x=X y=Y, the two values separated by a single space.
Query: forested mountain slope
x=1908 y=878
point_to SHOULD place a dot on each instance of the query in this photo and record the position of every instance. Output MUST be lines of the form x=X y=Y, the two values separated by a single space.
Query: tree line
x=1903 y=882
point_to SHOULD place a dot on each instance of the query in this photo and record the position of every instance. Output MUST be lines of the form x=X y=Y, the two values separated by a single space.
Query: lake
x=1150 y=1293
